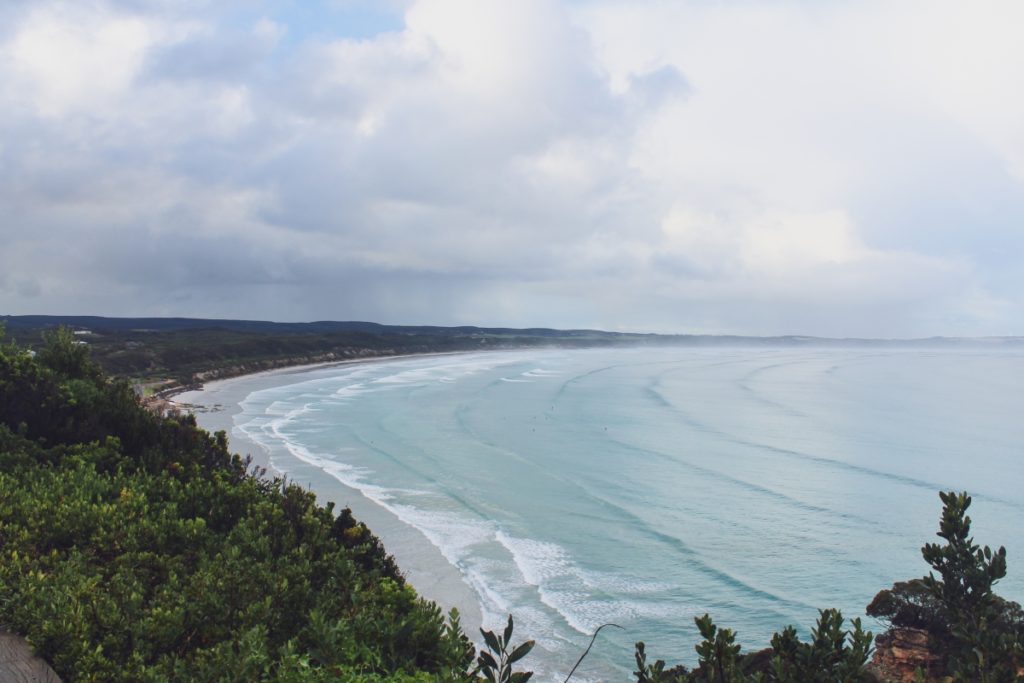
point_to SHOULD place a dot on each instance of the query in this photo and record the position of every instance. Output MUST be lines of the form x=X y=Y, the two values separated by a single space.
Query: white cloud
x=803 y=121
x=813 y=260
x=70 y=57
x=771 y=243
x=969 y=64
x=744 y=167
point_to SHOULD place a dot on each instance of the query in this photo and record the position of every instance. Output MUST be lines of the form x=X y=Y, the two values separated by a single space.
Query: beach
x=424 y=567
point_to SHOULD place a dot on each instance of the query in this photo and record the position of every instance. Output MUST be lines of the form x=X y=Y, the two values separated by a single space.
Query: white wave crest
x=541 y=372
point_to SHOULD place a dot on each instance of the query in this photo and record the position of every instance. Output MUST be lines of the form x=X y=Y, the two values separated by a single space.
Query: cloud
x=759 y=168
x=231 y=56
x=68 y=57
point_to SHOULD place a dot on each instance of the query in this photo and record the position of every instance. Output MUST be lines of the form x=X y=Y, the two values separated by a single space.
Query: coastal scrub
x=138 y=548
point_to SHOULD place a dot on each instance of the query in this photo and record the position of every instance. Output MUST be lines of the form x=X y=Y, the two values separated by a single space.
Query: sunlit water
x=644 y=487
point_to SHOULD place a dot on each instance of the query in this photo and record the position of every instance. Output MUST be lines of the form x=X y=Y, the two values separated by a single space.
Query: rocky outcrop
x=901 y=652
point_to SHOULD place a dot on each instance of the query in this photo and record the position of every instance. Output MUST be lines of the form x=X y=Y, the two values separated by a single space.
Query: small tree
x=719 y=652
x=63 y=354
x=495 y=663
x=983 y=649
x=647 y=673
x=833 y=654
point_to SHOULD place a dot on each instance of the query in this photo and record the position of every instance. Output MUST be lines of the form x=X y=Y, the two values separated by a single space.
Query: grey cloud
x=29 y=289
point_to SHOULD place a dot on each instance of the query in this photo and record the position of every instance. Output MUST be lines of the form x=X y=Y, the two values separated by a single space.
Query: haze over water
x=648 y=486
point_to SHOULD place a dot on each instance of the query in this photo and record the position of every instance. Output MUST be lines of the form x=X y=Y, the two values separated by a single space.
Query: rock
x=19 y=664
x=901 y=652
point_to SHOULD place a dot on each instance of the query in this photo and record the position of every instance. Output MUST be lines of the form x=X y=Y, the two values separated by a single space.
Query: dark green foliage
x=967 y=572
x=718 y=652
x=833 y=655
x=180 y=349
x=137 y=548
x=458 y=649
x=63 y=354
x=910 y=604
x=495 y=663
x=647 y=673
x=656 y=672
x=981 y=634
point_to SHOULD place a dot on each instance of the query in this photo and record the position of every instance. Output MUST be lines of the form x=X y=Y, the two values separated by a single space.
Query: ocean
x=644 y=487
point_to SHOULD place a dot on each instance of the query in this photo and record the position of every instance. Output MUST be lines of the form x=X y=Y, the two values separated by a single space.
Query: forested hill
x=16 y=322
x=185 y=350
x=152 y=350
x=20 y=323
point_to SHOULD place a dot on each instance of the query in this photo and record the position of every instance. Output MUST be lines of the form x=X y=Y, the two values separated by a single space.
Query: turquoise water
x=645 y=487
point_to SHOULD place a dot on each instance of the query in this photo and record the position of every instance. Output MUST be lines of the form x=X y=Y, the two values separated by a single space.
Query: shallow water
x=645 y=487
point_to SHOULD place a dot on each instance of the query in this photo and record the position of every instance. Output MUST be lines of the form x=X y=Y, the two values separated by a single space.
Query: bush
x=138 y=548
x=980 y=634
x=832 y=655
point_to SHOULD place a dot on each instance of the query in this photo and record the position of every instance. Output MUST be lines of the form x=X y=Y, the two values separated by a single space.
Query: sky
x=773 y=167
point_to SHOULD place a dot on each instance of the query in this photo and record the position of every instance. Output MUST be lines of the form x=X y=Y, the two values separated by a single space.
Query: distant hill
x=99 y=323
x=189 y=350
x=165 y=354
x=104 y=325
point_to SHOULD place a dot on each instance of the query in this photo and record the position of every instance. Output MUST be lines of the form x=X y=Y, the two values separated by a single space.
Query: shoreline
x=215 y=406
x=166 y=396
x=261 y=457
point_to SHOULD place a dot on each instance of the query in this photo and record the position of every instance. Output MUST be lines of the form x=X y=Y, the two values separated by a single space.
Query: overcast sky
x=771 y=167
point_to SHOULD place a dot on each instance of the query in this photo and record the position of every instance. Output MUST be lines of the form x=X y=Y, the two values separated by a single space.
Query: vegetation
x=186 y=350
x=980 y=634
x=832 y=654
x=495 y=663
x=135 y=547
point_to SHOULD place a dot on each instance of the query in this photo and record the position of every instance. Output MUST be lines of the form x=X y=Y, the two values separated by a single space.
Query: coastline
x=164 y=399
x=215 y=407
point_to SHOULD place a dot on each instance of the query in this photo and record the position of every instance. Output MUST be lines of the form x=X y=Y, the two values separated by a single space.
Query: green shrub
x=980 y=634
x=138 y=548
x=495 y=663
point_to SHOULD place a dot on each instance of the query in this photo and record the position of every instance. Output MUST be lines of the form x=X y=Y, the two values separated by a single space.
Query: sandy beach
x=434 y=578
